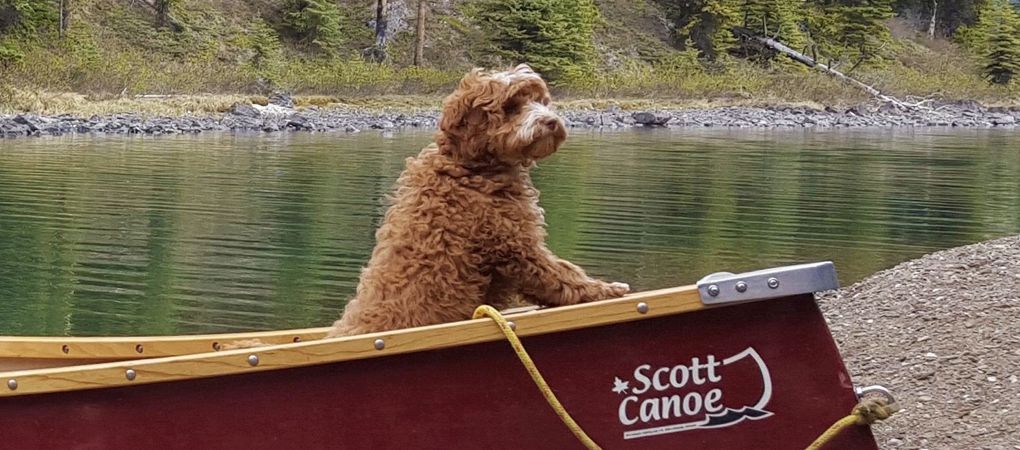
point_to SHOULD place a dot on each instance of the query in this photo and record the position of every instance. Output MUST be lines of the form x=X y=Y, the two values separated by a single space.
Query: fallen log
x=810 y=62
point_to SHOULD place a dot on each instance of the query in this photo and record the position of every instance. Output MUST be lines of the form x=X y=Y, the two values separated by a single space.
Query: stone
x=1002 y=119
x=14 y=129
x=299 y=122
x=244 y=110
x=30 y=123
x=281 y=99
x=649 y=120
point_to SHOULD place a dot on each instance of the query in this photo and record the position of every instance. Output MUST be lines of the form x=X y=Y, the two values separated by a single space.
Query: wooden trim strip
x=134 y=347
x=173 y=368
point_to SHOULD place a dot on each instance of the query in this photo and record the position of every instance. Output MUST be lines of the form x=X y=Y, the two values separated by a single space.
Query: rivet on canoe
x=773 y=283
x=512 y=325
x=216 y=346
x=642 y=307
x=741 y=286
x=297 y=338
x=139 y=348
x=253 y=360
x=130 y=374
x=12 y=384
x=65 y=349
x=713 y=290
x=380 y=344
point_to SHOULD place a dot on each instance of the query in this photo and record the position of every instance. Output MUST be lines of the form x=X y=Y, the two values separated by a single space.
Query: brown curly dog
x=464 y=227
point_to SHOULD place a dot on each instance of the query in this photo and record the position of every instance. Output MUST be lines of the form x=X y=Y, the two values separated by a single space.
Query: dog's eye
x=545 y=101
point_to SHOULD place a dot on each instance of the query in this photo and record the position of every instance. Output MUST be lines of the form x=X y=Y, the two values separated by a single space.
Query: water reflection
x=134 y=235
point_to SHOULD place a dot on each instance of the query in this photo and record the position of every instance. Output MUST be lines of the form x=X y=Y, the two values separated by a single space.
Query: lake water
x=186 y=234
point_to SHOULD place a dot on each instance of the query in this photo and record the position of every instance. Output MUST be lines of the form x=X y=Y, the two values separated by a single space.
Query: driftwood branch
x=811 y=62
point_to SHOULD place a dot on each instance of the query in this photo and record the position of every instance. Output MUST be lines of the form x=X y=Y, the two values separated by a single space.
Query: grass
x=56 y=103
x=356 y=84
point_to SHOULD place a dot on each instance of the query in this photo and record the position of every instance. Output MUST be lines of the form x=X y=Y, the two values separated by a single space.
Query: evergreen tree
x=26 y=17
x=996 y=38
x=720 y=16
x=266 y=50
x=553 y=36
x=851 y=30
x=315 y=22
x=21 y=19
x=708 y=24
x=778 y=19
x=705 y=24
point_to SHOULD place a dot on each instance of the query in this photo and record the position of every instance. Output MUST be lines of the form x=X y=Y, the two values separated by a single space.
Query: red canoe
x=735 y=362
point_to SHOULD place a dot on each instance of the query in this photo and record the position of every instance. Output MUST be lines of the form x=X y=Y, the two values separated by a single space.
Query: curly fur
x=465 y=227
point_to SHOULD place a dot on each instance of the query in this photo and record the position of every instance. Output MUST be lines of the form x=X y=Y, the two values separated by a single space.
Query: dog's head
x=500 y=118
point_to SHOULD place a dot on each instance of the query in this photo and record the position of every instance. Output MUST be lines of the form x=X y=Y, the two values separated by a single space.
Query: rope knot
x=872 y=409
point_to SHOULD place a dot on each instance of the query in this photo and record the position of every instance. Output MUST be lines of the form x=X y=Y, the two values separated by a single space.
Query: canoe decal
x=692 y=395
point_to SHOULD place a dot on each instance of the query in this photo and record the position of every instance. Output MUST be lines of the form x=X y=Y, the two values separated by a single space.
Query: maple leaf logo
x=620 y=386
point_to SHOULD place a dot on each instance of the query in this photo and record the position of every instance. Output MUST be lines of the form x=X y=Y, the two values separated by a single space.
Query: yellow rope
x=867 y=412
x=486 y=310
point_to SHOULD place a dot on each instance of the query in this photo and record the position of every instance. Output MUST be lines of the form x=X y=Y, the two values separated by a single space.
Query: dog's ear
x=458 y=105
x=465 y=112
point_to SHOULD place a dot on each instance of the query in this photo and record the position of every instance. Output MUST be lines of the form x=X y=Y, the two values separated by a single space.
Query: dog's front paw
x=619 y=289
x=602 y=290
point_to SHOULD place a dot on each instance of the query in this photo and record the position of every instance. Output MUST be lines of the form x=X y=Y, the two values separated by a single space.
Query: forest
x=682 y=50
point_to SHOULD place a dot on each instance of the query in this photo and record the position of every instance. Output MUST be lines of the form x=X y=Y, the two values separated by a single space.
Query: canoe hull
x=764 y=375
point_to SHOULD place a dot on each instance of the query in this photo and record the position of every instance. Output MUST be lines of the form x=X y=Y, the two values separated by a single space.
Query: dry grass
x=55 y=103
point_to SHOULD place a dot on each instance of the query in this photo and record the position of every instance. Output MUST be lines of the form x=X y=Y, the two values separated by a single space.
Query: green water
x=135 y=235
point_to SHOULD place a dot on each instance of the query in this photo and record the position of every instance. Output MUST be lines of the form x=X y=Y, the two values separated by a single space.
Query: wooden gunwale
x=135 y=347
x=321 y=351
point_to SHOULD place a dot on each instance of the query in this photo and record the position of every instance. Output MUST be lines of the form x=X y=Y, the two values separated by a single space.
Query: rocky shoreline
x=941 y=333
x=280 y=115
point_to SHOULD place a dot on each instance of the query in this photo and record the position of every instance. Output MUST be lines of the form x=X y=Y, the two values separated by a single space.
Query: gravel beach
x=283 y=117
x=943 y=333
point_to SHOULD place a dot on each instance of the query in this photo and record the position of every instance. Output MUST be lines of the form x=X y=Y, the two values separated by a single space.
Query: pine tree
x=996 y=38
x=708 y=24
x=777 y=19
x=851 y=30
x=22 y=19
x=266 y=50
x=27 y=17
x=719 y=17
x=554 y=36
x=315 y=22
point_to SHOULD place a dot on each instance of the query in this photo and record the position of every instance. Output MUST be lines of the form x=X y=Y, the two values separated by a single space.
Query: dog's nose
x=550 y=123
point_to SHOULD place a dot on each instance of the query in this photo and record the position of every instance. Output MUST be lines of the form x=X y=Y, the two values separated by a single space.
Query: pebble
x=922 y=314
